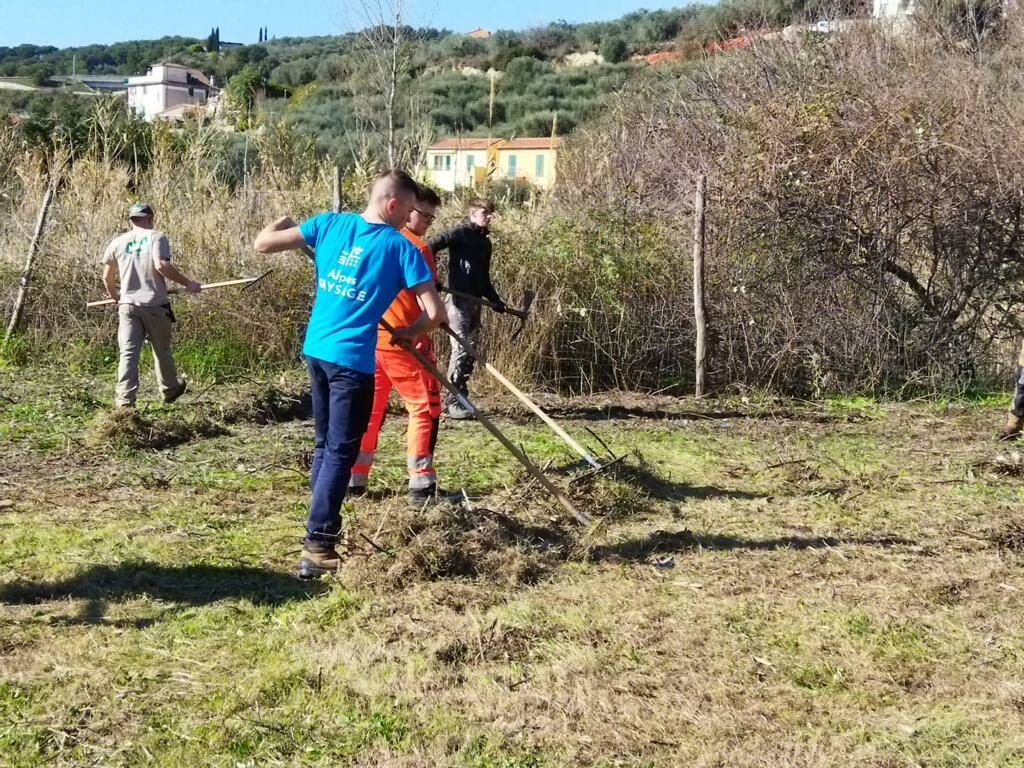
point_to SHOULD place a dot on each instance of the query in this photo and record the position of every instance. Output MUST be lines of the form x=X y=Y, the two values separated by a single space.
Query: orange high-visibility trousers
x=421 y=394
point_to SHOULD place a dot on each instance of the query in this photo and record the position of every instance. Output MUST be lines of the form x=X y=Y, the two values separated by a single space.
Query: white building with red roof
x=165 y=91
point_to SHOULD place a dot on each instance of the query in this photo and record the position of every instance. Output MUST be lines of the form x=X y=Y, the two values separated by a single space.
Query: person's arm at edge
x=442 y=241
x=110 y=281
x=162 y=264
x=432 y=316
x=280 y=235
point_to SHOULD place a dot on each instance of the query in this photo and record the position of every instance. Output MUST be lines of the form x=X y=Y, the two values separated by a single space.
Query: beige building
x=168 y=91
x=461 y=162
x=456 y=163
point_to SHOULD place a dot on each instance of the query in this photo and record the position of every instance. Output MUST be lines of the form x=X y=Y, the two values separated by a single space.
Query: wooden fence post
x=336 y=199
x=699 y=313
x=26 y=275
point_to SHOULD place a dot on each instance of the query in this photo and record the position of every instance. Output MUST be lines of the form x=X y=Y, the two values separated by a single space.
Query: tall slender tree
x=387 y=44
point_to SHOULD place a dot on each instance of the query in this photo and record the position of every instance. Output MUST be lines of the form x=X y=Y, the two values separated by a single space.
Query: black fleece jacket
x=469 y=259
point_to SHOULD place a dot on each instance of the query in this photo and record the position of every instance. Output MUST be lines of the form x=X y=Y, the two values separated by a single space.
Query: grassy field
x=776 y=584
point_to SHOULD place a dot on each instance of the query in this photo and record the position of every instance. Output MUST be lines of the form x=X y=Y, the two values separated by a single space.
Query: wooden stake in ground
x=336 y=198
x=699 y=313
x=26 y=275
x=521 y=457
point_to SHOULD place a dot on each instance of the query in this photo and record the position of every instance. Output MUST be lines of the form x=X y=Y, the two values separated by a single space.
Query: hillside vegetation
x=321 y=84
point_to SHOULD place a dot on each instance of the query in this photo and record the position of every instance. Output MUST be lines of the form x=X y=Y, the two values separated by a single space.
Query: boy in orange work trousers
x=398 y=369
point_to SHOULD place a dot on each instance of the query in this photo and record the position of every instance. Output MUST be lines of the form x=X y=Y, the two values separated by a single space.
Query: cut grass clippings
x=772 y=584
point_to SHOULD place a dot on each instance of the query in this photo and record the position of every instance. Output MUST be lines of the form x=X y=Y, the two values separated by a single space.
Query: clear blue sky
x=67 y=23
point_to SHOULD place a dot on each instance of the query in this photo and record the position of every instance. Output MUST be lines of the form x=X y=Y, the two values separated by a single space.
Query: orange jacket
x=405 y=310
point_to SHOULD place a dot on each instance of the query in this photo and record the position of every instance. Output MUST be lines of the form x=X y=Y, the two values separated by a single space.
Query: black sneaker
x=458 y=413
x=181 y=390
x=424 y=497
x=318 y=559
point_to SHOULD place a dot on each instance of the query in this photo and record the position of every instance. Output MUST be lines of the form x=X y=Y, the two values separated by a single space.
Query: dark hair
x=403 y=181
x=482 y=203
x=428 y=196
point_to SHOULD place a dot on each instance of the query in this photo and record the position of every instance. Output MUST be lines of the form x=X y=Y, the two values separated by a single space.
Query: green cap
x=140 y=209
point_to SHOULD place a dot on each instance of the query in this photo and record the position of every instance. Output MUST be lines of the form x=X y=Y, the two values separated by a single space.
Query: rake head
x=257 y=280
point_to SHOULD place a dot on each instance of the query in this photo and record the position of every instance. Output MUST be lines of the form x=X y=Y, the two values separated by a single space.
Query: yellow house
x=463 y=162
x=460 y=162
x=529 y=160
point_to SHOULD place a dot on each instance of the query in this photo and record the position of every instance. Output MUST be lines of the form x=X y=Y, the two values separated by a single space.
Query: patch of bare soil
x=626 y=405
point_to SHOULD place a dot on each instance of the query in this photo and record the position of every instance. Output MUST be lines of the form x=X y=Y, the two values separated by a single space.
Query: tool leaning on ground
x=246 y=281
x=523 y=313
x=532 y=468
x=526 y=400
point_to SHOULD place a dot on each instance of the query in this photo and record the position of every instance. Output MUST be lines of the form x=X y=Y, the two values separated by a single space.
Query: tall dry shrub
x=865 y=214
x=211 y=228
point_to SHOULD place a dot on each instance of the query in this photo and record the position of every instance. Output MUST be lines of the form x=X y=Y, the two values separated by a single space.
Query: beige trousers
x=136 y=324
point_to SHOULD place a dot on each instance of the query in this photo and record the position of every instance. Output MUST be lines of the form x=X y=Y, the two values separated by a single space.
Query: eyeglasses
x=425 y=215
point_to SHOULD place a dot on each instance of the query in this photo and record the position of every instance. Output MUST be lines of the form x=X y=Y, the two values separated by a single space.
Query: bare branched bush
x=866 y=212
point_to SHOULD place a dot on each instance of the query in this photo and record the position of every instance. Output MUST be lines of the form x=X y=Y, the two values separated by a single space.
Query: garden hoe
x=246 y=281
x=523 y=313
x=532 y=468
x=527 y=401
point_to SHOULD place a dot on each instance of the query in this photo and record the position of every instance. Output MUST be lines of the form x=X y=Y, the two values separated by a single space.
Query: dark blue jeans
x=342 y=400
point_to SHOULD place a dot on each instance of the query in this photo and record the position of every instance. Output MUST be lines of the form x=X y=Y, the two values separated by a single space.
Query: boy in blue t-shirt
x=362 y=262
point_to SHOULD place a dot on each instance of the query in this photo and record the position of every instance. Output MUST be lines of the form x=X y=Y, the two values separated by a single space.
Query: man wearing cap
x=135 y=267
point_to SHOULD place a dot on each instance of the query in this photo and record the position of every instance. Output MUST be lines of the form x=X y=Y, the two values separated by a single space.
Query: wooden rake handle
x=525 y=399
x=173 y=291
x=521 y=457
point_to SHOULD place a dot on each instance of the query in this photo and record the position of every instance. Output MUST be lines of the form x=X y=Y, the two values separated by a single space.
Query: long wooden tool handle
x=173 y=291
x=532 y=468
x=525 y=400
x=485 y=302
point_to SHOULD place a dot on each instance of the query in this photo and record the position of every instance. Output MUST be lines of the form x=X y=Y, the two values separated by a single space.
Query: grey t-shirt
x=133 y=253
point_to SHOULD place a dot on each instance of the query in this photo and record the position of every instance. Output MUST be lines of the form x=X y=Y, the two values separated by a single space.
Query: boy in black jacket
x=469 y=271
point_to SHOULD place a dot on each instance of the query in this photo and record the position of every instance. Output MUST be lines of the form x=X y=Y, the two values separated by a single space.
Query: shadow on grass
x=667 y=490
x=618 y=411
x=657 y=487
x=184 y=585
x=668 y=542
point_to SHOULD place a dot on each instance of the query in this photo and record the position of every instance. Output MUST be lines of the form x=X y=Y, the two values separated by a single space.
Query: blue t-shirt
x=360 y=269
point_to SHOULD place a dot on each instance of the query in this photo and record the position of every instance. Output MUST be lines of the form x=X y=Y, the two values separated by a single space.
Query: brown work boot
x=318 y=559
x=1013 y=428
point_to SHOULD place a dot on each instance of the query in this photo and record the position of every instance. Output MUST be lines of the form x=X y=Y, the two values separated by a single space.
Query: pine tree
x=261 y=34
